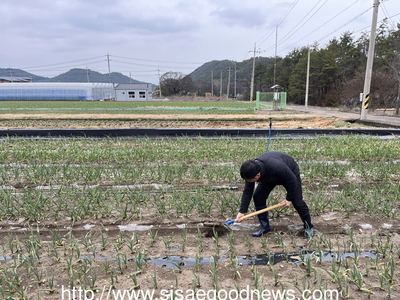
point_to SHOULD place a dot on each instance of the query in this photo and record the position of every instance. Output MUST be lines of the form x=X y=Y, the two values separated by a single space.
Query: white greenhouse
x=57 y=91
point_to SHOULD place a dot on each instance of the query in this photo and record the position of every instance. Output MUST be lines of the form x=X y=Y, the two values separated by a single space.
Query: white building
x=133 y=92
x=48 y=91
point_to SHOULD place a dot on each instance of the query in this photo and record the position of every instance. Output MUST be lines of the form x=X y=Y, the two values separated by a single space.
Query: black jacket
x=277 y=168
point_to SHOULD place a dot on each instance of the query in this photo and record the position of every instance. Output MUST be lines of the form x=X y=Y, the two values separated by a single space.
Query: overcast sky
x=144 y=38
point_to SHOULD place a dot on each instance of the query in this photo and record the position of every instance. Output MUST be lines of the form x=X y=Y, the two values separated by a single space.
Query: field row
x=68 y=205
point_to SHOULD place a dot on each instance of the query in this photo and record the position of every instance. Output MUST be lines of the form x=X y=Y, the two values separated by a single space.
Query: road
x=372 y=119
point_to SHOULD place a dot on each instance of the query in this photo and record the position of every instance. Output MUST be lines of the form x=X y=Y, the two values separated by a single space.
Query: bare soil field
x=185 y=255
x=97 y=258
x=259 y=120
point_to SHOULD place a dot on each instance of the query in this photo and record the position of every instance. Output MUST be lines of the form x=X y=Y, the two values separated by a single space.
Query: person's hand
x=286 y=202
x=239 y=215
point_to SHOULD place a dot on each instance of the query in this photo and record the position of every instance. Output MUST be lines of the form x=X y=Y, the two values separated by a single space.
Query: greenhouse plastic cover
x=56 y=91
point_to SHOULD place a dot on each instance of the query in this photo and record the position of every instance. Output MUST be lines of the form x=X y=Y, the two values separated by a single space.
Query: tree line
x=336 y=78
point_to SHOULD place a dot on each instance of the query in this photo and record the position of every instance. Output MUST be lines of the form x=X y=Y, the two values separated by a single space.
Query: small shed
x=133 y=92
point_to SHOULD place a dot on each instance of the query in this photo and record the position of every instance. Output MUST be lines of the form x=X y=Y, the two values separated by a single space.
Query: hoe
x=256 y=213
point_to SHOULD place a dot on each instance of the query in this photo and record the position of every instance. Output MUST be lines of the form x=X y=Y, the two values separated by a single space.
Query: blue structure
x=56 y=91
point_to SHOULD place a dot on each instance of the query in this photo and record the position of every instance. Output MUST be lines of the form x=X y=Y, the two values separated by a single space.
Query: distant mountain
x=83 y=75
x=73 y=75
x=8 y=72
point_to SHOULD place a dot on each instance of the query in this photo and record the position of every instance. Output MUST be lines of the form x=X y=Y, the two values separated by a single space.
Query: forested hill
x=73 y=75
x=243 y=69
x=336 y=73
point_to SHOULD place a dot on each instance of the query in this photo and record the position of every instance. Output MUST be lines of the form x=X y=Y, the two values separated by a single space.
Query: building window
x=131 y=94
x=142 y=95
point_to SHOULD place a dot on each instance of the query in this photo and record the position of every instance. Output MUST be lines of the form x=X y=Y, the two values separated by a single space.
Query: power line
x=386 y=14
x=153 y=65
x=300 y=24
x=157 y=61
x=287 y=36
x=147 y=65
x=325 y=24
x=64 y=63
x=288 y=12
x=58 y=68
x=142 y=71
x=343 y=26
x=283 y=18
x=368 y=27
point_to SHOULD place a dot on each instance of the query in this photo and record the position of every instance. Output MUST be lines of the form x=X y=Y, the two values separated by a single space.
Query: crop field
x=126 y=107
x=96 y=218
x=156 y=114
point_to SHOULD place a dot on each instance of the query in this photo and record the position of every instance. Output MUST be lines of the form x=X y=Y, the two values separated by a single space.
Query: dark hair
x=249 y=169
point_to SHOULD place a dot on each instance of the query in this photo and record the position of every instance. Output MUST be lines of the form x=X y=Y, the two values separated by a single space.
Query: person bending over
x=269 y=170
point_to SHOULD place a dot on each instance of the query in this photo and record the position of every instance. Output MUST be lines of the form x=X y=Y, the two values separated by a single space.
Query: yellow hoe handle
x=262 y=210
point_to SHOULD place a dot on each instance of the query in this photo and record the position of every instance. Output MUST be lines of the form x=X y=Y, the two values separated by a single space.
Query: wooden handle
x=262 y=211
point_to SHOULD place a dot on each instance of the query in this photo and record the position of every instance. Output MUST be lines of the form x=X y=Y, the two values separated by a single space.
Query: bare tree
x=186 y=85
x=170 y=82
x=174 y=83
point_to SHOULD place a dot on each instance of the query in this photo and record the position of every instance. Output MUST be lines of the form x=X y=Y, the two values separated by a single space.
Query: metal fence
x=271 y=100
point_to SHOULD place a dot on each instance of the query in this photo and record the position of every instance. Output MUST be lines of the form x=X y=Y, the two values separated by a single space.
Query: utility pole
x=307 y=81
x=220 y=86
x=234 y=85
x=212 y=84
x=11 y=75
x=370 y=61
x=276 y=51
x=109 y=70
x=159 y=81
x=252 y=75
x=229 y=82
x=87 y=74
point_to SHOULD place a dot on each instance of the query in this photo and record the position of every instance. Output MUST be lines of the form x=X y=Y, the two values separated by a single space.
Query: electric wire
x=64 y=67
x=287 y=36
x=280 y=22
x=156 y=61
x=385 y=12
x=336 y=30
x=323 y=25
x=146 y=65
x=369 y=26
x=288 y=12
x=298 y=26
x=63 y=63
x=283 y=18
x=83 y=63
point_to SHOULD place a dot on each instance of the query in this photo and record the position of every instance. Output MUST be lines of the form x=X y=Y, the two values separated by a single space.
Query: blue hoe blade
x=230 y=222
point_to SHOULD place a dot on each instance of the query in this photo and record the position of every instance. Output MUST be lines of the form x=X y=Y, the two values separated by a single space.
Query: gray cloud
x=45 y=32
x=243 y=17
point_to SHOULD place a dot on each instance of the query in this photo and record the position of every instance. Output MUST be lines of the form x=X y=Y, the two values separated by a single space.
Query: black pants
x=264 y=189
